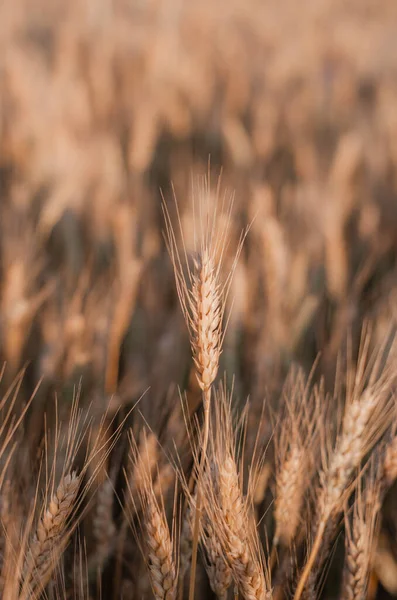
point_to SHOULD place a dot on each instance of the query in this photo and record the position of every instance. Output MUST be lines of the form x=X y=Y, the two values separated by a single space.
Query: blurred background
x=105 y=105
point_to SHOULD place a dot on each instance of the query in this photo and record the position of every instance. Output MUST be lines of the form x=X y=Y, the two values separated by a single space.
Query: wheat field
x=198 y=299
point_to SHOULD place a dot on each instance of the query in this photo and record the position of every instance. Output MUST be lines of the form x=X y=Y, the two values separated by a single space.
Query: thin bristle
x=295 y=447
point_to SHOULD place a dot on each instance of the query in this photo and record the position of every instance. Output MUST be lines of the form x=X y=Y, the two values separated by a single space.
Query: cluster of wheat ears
x=223 y=509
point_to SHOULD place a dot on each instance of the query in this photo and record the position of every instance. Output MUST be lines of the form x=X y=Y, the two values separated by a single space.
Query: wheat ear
x=218 y=571
x=367 y=414
x=159 y=551
x=238 y=540
x=295 y=445
x=202 y=298
x=335 y=480
x=50 y=538
x=206 y=315
x=360 y=530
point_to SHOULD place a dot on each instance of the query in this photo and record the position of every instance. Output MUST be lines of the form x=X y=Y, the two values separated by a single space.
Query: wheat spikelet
x=50 y=537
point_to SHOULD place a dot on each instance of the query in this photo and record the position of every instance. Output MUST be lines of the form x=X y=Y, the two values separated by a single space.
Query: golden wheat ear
x=296 y=441
x=202 y=291
x=367 y=414
x=202 y=279
x=360 y=530
x=157 y=542
x=229 y=514
x=50 y=538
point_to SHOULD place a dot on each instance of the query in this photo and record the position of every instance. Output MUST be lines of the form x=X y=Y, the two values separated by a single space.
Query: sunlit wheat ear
x=50 y=538
x=295 y=446
x=237 y=534
x=206 y=313
x=230 y=514
x=367 y=413
x=203 y=288
x=159 y=550
x=360 y=529
x=158 y=547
